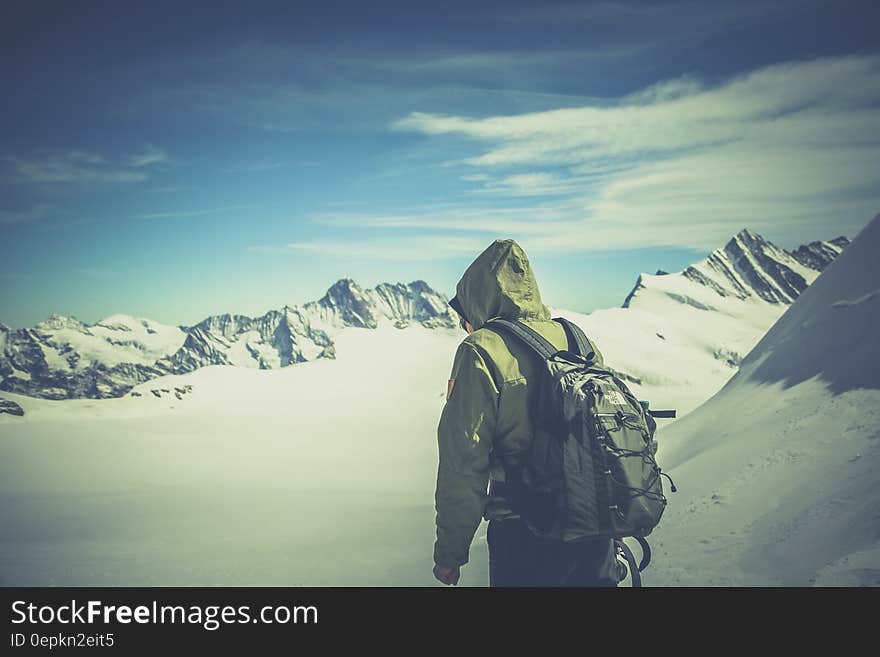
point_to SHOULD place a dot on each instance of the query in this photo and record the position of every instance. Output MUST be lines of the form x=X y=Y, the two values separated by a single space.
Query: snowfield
x=303 y=475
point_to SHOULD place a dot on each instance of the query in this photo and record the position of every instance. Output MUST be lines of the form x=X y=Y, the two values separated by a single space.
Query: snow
x=113 y=340
x=54 y=359
x=240 y=349
x=302 y=475
x=323 y=473
x=777 y=473
x=21 y=374
x=844 y=303
x=688 y=363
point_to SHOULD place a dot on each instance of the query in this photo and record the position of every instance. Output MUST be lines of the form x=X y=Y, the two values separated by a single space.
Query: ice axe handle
x=662 y=414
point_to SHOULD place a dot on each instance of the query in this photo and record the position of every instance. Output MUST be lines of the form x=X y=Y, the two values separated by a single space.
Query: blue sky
x=174 y=160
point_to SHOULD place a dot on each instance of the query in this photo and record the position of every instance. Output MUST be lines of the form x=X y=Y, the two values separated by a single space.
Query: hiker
x=485 y=427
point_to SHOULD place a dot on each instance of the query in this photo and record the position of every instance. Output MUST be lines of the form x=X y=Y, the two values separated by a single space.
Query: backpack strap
x=634 y=570
x=577 y=336
x=646 y=552
x=540 y=344
x=537 y=342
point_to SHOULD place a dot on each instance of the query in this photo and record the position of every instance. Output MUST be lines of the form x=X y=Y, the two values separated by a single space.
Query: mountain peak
x=819 y=254
x=347 y=300
x=346 y=283
x=749 y=239
x=750 y=266
x=747 y=233
x=55 y=322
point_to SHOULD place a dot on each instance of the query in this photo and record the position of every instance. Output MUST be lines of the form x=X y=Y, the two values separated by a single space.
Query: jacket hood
x=499 y=283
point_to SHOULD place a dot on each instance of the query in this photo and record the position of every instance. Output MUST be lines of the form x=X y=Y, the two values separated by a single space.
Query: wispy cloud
x=182 y=214
x=32 y=213
x=686 y=15
x=258 y=166
x=150 y=156
x=804 y=101
x=78 y=166
x=535 y=183
x=792 y=150
x=522 y=220
x=686 y=163
x=392 y=248
x=352 y=89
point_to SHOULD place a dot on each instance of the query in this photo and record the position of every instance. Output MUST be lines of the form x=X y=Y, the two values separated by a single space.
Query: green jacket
x=485 y=425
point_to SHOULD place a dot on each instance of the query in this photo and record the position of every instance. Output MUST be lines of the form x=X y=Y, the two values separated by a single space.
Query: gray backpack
x=591 y=469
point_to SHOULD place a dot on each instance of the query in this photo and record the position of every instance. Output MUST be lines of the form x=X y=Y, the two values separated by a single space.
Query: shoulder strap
x=540 y=344
x=537 y=342
x=576 y=335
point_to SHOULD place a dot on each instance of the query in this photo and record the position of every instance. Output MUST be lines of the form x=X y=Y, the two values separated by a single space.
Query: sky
x=175 y=161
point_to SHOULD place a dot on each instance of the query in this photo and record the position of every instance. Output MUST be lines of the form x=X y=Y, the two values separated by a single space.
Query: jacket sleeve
x=464 y=438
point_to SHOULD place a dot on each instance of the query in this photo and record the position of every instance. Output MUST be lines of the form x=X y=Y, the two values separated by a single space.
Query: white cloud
x=521 y=220
x=535 y=183
x=792 y=149
x=670 y=116
x=258 y=166
x=77 y=166
x=149 y=157
x=182 y=214
x=391 y=248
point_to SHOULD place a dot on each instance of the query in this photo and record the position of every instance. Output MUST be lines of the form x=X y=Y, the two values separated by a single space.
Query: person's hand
x=448 y=576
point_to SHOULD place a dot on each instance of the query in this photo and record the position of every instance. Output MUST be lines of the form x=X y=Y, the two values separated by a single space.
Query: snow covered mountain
x=777 y=473
x=750 y=266
x=706 y=317
x=346 y=304
x=63 y=357
x=680 y=336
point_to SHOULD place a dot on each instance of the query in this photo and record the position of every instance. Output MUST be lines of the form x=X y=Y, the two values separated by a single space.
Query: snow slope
x=679 y=337
x=778 y=472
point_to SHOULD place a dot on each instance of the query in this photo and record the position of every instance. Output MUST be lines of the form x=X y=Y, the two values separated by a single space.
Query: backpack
x=590 y=470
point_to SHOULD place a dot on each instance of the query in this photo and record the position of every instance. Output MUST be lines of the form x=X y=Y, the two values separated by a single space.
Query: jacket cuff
x=447 y=560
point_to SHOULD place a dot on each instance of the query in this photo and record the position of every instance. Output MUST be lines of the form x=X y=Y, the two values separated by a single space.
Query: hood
x=499 y=283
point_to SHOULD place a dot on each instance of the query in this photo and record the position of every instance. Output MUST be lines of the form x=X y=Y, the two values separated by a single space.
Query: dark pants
x=519 y=558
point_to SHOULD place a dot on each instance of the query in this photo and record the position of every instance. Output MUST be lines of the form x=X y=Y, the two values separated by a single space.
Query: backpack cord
x=635 y=491
x=672 y=488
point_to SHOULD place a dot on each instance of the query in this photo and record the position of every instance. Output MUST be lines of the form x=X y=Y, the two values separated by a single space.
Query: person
x=485 y=428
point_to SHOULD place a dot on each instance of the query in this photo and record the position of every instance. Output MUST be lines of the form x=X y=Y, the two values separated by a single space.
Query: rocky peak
x=420 y=287
x=226 y=324
x=819 y=254
x=749 y=265
x=347 y=300
x=57 y=322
